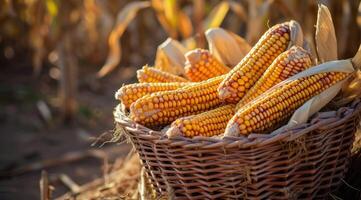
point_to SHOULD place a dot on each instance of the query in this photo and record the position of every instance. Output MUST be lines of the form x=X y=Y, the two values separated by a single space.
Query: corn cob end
x=173 y=131
x=227 y=94
x=119 y=93
x=232 y=130
x=193 y=56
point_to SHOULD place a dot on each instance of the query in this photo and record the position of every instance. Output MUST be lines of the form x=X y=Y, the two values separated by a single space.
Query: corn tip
x=193 y=56
x=173 y=131
x=232 y=130
x=224 y=93
x=118 y=93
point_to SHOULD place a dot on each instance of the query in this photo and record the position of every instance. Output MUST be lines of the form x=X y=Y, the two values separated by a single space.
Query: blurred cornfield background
x=64 y=48
x=63 y=38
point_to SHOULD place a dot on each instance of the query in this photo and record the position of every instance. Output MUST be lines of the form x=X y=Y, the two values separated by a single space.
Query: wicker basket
x=307 y=162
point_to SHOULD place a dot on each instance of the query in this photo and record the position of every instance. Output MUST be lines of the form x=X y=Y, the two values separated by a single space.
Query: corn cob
x=287 y=64
x=162 y=108
x=151 y=74
x=202 y=65
x=132 y=92
x=242 y=77
x=268 y=110
x=208 y=123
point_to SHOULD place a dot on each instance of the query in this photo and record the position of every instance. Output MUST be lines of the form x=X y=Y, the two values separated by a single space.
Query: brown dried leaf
x=125 y=16
x=216 y=16
x=170 y=57
x=159 y=7
x=226 y=46
x=326 y=43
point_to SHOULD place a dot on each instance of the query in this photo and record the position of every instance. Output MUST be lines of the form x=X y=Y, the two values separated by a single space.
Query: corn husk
x=170 y=57
x=326 y=42
x=296 y=35
x=226 y=46
x=351 y=89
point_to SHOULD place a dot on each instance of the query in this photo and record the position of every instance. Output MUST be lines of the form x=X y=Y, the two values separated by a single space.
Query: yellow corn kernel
x=202 y=65
x=209 y=123
x=169 y=105
x=130 y=93
x=265 y=113
x=151 y=75
x=287 y=64
x=242 y=77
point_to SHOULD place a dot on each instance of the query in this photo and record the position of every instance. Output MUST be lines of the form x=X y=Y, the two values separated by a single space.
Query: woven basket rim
x=319 y=121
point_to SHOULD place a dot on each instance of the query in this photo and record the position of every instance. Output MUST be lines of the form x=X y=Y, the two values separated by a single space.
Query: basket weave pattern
x=306 y=162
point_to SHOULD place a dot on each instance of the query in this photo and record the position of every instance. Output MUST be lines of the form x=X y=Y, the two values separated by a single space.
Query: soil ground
x=26 y=138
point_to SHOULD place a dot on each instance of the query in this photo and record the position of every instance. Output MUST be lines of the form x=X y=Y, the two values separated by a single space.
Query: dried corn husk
x=170 y=57
x=226 y=46
x=296 y=34
x=352 y=90
x=326 y=42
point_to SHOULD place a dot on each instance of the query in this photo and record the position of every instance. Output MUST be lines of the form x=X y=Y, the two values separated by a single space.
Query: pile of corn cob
x=218 y=100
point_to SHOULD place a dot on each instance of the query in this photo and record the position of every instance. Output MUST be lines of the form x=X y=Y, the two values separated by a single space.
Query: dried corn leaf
x=326 y=43
x=170 y=57
x=216 y=16
x=238 y=9
x=184 y=24
x=171 y=12
x=158 y=6
x=227 y=46
x=197 y=19
x=125 y=16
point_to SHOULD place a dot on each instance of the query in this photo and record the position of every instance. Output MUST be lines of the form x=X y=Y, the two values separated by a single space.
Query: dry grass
x=122 y=183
